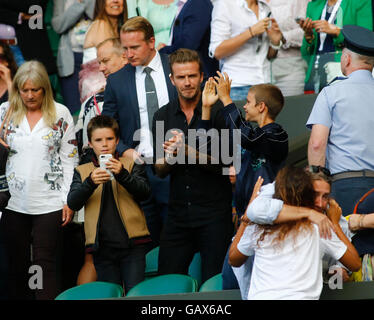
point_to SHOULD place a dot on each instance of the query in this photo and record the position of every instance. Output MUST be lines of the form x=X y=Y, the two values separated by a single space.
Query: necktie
x=151 y=95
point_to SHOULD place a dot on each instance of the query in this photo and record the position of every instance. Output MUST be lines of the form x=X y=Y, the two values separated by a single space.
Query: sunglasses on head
x=316 y=169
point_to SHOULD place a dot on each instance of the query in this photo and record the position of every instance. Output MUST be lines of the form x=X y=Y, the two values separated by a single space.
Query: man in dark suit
x=191 y=30
x=129 y=99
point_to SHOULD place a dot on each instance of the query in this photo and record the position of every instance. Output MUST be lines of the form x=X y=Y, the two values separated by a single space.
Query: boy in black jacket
x=115 y=226
x=264 y=148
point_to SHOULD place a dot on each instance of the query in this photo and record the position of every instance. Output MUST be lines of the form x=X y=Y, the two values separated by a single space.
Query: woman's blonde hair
x=37 y=74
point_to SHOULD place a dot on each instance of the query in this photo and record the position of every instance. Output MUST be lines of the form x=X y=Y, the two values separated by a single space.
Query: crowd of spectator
x=111 y=115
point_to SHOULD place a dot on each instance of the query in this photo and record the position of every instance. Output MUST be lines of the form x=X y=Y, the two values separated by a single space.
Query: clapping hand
x=172 y=146
x=223 y=85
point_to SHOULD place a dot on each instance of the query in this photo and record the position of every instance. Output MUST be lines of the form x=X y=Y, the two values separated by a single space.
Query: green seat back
x=151 y=262
x=151 y=265
x=92 y=290
x=194 y=269
x=165 y=284
x=212 y=284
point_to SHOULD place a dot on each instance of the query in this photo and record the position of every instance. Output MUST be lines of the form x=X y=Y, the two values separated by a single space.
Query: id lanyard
x=323 y=35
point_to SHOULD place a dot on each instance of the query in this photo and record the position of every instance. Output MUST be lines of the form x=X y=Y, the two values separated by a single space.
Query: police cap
x=359 y=40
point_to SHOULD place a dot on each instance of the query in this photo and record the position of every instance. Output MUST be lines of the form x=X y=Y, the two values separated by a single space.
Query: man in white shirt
x=241 y=34
x=127 y=101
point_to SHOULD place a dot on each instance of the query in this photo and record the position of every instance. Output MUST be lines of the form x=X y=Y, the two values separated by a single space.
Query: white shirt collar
x=155 y=64
x=244 y=3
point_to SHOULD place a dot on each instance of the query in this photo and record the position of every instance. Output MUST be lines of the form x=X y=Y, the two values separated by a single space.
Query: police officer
x=342 y=122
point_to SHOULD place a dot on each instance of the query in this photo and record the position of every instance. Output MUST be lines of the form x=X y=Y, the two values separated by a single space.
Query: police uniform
x=347 y=109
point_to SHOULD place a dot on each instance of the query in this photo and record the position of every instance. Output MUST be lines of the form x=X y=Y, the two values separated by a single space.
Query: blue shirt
x=347 y=109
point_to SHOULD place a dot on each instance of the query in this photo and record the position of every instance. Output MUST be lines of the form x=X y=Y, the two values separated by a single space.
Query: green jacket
x=354 y=12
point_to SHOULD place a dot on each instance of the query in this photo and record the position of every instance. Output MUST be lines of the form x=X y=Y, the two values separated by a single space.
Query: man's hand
x=67 y=215
x=173 y=145
x=114 y=165
x=334 y=211
x=223 y=85
x=133 y=154
x=323 y=222
x=99 y=176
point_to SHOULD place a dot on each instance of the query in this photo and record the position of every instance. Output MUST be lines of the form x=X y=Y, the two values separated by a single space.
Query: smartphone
x=103 y=160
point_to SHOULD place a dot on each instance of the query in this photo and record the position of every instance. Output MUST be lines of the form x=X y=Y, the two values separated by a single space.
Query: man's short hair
x=367 y=60
x=139 y=24
x=101 y=122
x=116 y=44
x=271 y=95
x=185 y=56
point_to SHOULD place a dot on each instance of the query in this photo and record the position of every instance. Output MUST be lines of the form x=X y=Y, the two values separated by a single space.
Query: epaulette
x=337 y=79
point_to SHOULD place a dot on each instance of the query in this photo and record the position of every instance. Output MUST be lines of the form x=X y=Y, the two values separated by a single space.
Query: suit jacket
x=34 y=43
x=351 y=12
x=192 y=30
x=121 y=102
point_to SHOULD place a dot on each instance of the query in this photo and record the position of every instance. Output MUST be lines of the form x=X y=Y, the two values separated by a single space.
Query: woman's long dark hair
x=294 y=187
x=9 y=57
x=100 y=13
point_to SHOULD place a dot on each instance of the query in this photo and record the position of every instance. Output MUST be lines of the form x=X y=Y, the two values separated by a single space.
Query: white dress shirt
x=41 y=163
x=248 y=65
x=145 y=147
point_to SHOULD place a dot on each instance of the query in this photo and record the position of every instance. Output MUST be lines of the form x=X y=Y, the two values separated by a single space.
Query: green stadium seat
x=212 y=284
x=92 y=290
x=165 y=284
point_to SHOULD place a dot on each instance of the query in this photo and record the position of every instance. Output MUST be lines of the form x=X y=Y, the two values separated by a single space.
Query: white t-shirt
x=292 y=271
x=41 y=163
x=249 y=64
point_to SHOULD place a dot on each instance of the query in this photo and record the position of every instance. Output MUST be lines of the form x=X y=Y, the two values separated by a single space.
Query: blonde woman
x=40 y=135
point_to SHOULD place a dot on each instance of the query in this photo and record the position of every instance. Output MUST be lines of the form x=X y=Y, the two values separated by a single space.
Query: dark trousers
x=70 y=86
x=32 y=240
x=72 y=254
x=179 y=244
x=347 y=192
x=229 y=280
x=125 y=267
x=156 y=207
x=4 y=269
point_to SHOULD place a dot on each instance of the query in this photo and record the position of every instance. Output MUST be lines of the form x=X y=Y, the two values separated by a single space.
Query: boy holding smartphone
x=115 y=226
